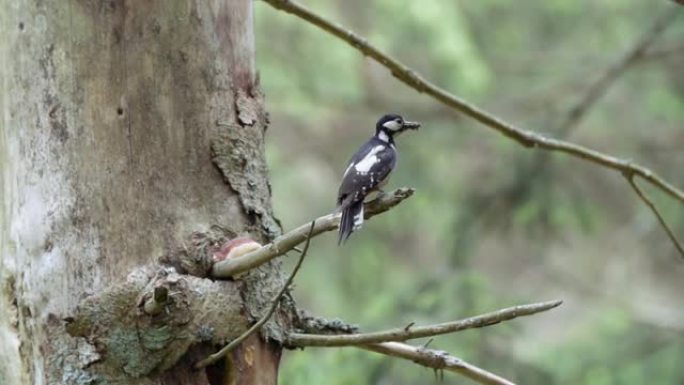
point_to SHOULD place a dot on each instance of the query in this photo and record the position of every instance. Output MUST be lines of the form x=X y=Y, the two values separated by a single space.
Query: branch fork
x=388 y=342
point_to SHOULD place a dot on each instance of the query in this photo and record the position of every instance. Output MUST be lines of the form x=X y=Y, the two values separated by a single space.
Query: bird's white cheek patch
x=392 y=125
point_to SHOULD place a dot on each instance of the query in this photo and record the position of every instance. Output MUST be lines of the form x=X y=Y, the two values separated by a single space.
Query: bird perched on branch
x=368 y=171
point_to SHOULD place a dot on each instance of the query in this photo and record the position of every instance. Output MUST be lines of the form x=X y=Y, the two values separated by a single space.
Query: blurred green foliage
x=483 y=231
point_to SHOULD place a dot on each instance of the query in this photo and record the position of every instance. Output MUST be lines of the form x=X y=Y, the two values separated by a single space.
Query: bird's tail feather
x=352 y=219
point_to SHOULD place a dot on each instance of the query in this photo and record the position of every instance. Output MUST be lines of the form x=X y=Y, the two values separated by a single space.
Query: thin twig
x=403 y=333
x=437 y=360
x=288 y=241
x=654 y=209
x=276 y=300
x=414 y=80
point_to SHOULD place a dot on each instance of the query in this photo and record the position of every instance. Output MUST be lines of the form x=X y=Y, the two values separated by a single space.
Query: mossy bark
x=125 y=127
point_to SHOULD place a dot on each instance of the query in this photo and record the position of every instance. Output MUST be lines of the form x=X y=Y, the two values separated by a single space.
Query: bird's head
x=393 y=124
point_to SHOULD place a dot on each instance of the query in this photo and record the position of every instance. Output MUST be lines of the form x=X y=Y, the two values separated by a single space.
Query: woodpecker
x=368 y=171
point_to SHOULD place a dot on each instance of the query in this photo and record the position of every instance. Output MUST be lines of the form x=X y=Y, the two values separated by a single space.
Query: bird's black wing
x=367 y=169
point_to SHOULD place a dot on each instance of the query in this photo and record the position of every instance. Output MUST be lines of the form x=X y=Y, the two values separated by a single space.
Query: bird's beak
x=411 y=125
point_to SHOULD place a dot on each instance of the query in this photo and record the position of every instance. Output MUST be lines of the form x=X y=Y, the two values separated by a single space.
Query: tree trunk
x=126 y=126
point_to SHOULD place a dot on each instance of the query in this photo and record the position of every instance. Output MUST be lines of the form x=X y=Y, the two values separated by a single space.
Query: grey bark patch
x=261 y=286
x=58 y=124
x=70 y=358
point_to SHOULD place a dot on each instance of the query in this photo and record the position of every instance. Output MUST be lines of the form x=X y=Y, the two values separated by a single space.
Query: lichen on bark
x=238 y=152
x=133 y=344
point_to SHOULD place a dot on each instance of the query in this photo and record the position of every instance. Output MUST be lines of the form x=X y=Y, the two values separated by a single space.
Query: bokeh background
x=487 y=228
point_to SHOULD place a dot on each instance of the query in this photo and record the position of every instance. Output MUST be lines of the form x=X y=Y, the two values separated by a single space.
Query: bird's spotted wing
x=368 y=169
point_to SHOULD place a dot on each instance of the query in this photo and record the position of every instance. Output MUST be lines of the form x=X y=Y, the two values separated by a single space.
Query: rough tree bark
x=125 y=127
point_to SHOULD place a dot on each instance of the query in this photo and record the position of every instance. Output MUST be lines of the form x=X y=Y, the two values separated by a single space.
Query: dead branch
x=437 y=360
x=290 y=240
x=407 y=333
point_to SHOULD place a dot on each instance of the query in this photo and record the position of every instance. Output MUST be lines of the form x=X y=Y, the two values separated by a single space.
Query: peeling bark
x=126 y=126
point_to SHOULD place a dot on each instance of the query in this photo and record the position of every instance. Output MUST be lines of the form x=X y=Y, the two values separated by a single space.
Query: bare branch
x=612 y=73
x=420 y=84
x=654 y=209
x=407 y=333
x=288 y=241
x=276 y=300
x=437 y=360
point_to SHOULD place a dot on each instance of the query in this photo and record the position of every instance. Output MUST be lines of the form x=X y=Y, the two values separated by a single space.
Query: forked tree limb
x=437 y=360
x=412 y=332
x=526 y=138
x=386 y=342
x=290 y=240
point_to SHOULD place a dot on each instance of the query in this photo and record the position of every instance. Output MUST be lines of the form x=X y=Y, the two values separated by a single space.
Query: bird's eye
x=398 y=121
